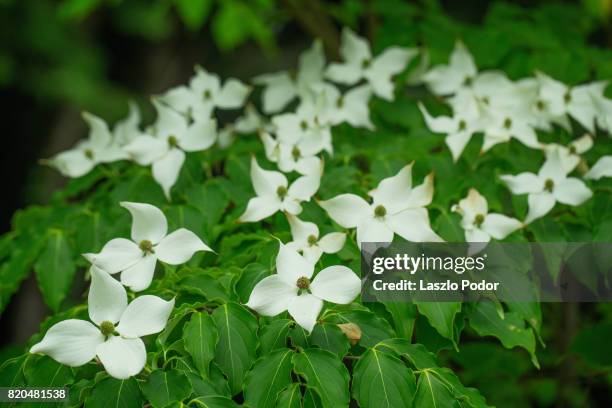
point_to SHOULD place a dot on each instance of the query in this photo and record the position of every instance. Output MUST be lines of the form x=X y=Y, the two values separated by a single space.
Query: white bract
x=128 y=129
x=274 y=193
x=280 y=88
x=570 y=155
x=480 y=225
x=308 y=126
x=293 y=289
x=549 y=186
x=100 y=147
x=396 y=208
x=165 y=149
x=307 y=242
x=352 y=107
x=115 y=336
x=500 y=127
x=136 y=258
x=448 y=79
x=359 y=63
x=602 y=168
x=204 y=94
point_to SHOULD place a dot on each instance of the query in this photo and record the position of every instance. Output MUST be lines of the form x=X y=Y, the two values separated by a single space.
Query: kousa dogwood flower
x=306 y=239
x=580 y=102
x=602 y=168
x=458 y=129
x=274 y=193
x=480 y=225
x=308 y=126
x=205 y=94
x=100 y=147
x=292 y=288
x=447 y=79
x=359 y=63
x=396 y=208
x=352 y=107
x=250 y=122
x=172 y=136
x=570 y=154
x=499 y=127
x=280 y=88
x=549 y=186
x=136 y=258
x=115 y=335
x=128 y=129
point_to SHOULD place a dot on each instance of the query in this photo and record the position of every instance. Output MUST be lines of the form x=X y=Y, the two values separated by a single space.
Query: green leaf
x=404 y=316
x=55 y=269
x=269 y=376
x=416 y=354
x=326 y=374
x=382 y=380
x=291 y=397
x=509 y=329
x=213 y=401
x=46 y=372
x=373 y=328
x=114 y=393
x=164 y=387
x=432 y=392
x=235 y=352
x=274 y=335
x=329 y=337
x=201 y=336
x=441 y=316
x=593 y=345
x=193 y=12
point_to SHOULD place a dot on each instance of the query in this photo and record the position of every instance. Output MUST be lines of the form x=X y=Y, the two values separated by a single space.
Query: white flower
x=500 y=127
x=397 y=208
x=100 y=147
x=115 y=337
x=359 y=63
x=582 y=102
x=280 y=88
x=603 y=168
x=307 y=242
x=570 y=155
x=136 y=258
x=204 y=94
x=308 y=126
x=549 y=186
x=274 y=193
x=172 y=136
x=448 y=79
x=292 y=156
x=480 y=225
x=127 y=129
x=291 y=288
x=458 y=129
x=352 y=107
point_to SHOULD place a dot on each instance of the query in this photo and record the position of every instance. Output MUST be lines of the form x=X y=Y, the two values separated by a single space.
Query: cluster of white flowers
x=302 y=110
x=115 y=337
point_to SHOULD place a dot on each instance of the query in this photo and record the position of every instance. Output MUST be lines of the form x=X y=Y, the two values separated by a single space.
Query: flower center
x=312 y=240
x=340 y=102
x=89 y=154
x=468 y=81
x=281 y=192
x=462 y=125
x=172 y=141
x=380 y=211
x=146 y=246
x=540 y=105
x=295 y=153
x=303 y=283
x=303 y=125
x=567 y=97
x=485 y=100
x=207 y=94
x=365 y=64
x=549 y=185
x=507 y=123
x=479 y=219
x=572 y=149
x=107 y=328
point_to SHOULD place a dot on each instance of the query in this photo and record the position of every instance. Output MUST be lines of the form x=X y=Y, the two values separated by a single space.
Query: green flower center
x=479 y=219
x=572 y=149
x=507 y=123
x=207 y=94
x=462 y=125
x=172 y=141
x=366 y=63
x=281 y=192
x=146 y=246
x=340 y=102
x=107 y=328
x=549 y=185
x=468 y=81
x=312 y=240
x=380 y=211
x=540 y=105
x=89 y=154
x=303 y=125
x=295 y=153
x=303 y=283
x=567 y=97
x=485 y=100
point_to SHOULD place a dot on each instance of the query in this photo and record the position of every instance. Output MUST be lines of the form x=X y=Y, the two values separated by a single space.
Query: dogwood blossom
x=128 y=129
x=306 y=239
x=549 y=186
x=136 y=258
x=274 y=193
x=352 y=107
x=115 y=335
x=308 y=126
x=293 y=289
x=205 y=94
x=570 y=155
x=499 y=127
x=602 y=168
x=172 y=136
x=280 y=88
x=480 y=225
x=396 y=208
x=360 y=64
x=448 y=79
x=100 y=147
